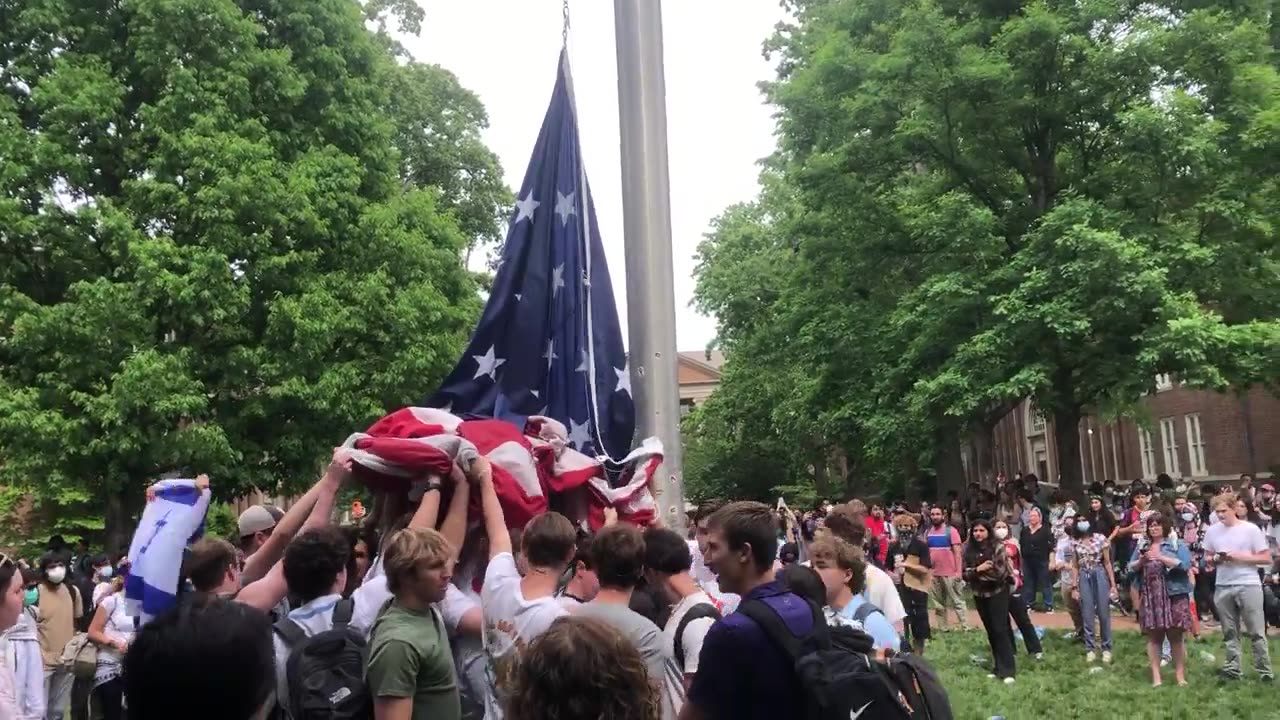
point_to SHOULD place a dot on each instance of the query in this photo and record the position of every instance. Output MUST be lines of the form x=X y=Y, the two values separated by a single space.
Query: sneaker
x=1225 y=674
x=1048 y=611
x=1268 y=679
x=991 y=676
x=1007 y=681
x=1106 y=656
x=1039 y=656
x=1090 y=656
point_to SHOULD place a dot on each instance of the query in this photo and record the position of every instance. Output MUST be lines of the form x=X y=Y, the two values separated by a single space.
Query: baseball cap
x=257 y=519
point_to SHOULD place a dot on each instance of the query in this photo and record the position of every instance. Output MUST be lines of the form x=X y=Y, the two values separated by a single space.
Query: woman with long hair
x=12 y=602
x=1162 y=576
x=987 y=570
x=1096 y=586
x=1017 y=603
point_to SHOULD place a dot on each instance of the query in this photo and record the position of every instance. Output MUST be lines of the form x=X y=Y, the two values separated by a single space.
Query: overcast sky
x=717 y=123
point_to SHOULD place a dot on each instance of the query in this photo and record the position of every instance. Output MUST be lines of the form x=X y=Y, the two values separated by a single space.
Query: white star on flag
x=525 y=208
x=557 y=279
x=579 y=434
x=624 y=379
x=488 y=364
x=564 y=207
x=550 y=354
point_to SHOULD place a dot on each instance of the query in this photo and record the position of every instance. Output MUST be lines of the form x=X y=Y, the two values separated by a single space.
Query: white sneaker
x=1090 y=656
x=1106 y=656
x=1008 y=681
x=991 y=676
x=1040 y=656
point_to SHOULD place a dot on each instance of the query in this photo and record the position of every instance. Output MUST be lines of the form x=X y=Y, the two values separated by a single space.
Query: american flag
x=549 y=343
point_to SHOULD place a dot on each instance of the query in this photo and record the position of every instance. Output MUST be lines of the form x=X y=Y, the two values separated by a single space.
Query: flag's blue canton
x=534 y=348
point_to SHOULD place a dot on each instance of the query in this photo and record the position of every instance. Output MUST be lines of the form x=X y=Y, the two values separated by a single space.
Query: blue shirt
x=742 y=674
x=876 y=625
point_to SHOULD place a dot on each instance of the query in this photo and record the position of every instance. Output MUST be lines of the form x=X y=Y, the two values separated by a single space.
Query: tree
x=209 y=258
x=993 y=201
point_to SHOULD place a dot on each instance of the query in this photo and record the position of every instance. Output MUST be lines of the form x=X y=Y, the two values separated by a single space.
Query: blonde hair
x=1228 y=499
x=410 y=549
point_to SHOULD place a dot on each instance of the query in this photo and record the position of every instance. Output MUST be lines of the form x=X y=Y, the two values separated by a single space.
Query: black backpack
x=697 y=612
x=325 y=671
x=840 y=678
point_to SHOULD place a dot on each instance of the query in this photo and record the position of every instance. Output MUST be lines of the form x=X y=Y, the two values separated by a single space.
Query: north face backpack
x=839 y=676
x=325 y=671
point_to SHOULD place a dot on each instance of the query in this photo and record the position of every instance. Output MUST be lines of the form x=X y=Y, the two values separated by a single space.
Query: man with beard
x=946 y=558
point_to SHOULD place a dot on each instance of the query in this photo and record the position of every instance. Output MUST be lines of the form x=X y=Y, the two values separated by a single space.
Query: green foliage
x=222 y=522
x=990 y=202
x=213 y=254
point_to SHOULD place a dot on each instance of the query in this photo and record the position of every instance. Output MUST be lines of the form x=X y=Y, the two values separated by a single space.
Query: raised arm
x=454 y=527
x=495 y=524
x=256 y=566
x=429 y=508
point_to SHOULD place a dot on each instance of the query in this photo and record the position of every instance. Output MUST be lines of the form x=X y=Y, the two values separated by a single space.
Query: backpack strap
x=343 y=611
x=763 y=615
x=290 y=631
x=864 y=611
x=697 y=612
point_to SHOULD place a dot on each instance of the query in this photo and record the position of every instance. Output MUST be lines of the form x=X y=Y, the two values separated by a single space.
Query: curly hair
x=582 y=669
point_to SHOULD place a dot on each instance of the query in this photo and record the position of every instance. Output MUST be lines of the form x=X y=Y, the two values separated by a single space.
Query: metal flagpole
x=646 y=205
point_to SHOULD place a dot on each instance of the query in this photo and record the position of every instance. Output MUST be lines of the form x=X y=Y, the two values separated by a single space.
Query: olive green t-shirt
x=409 y=656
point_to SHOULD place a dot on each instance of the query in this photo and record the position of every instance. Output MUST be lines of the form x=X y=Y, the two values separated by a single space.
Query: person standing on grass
x=1161 y=574
x=1239 y=549
x=1096 y=585
x=987 y=570
x=946 y=557
x=908 y=561
x=1017 y=605
x=1037 y=545
x=1063 y=565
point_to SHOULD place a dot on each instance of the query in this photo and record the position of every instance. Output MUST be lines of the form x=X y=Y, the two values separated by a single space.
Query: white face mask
x=1002 y=533
x=57 y=575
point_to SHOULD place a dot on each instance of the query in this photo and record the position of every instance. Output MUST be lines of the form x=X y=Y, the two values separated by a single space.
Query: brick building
x=698 y=374
x=1193 y=434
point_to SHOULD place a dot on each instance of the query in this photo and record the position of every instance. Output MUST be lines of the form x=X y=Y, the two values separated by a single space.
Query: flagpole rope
x=564 y=30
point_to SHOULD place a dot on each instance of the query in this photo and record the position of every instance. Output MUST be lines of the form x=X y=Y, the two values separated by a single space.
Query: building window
x=1169 y=440
x=1164 y=381
x=1148 y=453
x=1195 y=446
x=1037 y=422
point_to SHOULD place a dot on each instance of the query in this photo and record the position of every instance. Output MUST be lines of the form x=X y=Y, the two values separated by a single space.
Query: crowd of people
x=1179 y=558
x=422 y=613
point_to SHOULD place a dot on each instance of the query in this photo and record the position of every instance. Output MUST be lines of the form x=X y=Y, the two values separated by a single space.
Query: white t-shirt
x=676 y=668
x=1244 y=536
x=510 y=622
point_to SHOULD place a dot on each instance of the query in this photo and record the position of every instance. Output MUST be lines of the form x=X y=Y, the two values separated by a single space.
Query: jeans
x=57 y=692
x=1095 y=603
x=1018 y=611
x=1240 y=607
x=109 y=698
x=994 y=612
x=1037 y=578
x=948 y=593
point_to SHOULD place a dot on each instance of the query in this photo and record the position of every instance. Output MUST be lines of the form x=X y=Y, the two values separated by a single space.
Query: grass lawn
x=1061 y=687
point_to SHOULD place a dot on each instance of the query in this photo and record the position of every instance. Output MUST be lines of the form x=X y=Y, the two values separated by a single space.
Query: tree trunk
x=912 y=466
x=1066 y=434
x=981 y=442
x=116 y=520
x=947 y=463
